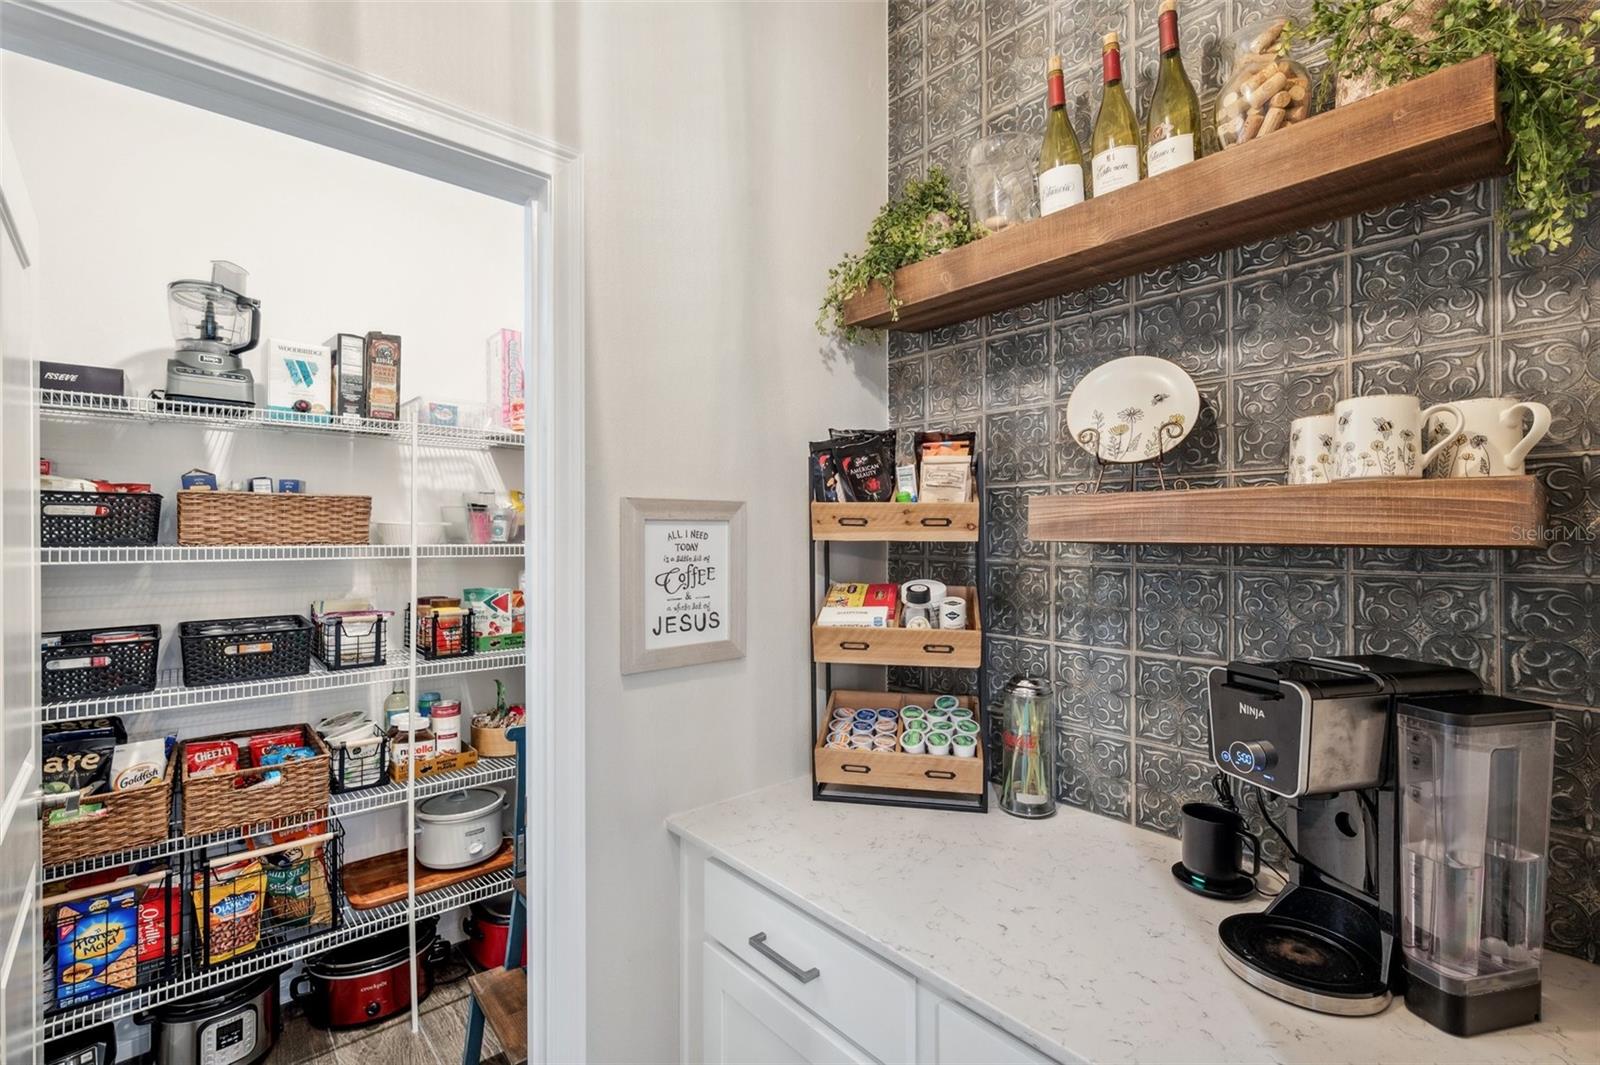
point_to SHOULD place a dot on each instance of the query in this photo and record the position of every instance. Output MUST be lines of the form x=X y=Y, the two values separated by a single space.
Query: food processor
x=213 y=322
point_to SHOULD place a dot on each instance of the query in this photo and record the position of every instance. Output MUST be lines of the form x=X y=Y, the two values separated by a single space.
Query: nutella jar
x=405 y=745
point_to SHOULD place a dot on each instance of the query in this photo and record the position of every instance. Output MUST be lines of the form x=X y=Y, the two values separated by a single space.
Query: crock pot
x=235 y=1024
x=487 y=925
x=459 y=829
x=365 y=982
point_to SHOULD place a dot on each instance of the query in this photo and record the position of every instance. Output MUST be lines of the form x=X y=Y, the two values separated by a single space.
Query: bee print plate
x=1132 y=409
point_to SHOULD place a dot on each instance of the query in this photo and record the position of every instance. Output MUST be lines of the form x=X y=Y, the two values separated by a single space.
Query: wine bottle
x=1172 y=124
x=1060 y=157
x=1116 y=161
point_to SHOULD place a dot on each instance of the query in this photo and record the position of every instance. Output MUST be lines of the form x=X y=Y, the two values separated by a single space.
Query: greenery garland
x=1549 y=91
x=924 y=220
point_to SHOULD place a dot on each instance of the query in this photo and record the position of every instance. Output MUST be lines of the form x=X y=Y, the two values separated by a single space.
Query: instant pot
x=365 y=982
x=235 y=1024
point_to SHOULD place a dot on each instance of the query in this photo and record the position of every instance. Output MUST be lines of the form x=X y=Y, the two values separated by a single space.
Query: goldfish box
x=498 y=618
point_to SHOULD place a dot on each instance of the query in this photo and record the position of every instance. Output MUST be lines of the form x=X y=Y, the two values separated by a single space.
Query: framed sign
x=683 y=590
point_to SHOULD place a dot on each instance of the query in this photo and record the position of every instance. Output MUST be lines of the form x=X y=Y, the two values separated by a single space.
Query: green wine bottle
x=1060 y=157
x=1172 y=125
x=1116 y=161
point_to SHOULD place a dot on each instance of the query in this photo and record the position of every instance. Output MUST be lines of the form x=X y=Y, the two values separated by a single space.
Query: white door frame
x=208 y=62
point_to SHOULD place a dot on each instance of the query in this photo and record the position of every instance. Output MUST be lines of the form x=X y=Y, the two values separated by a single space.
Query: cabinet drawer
x=866 y=999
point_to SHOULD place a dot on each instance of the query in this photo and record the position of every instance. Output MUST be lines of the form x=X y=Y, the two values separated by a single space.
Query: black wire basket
x=232 y=650
x=263 y=893
x=98 y=519
x=342 y=643
x=94 y=663
x=435 y=641
x=112 y=939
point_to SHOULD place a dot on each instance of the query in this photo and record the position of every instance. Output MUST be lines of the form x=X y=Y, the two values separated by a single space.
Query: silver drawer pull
x=805 y=976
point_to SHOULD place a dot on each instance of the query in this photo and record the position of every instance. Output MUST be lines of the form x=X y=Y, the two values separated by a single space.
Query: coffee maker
x=1372 y=752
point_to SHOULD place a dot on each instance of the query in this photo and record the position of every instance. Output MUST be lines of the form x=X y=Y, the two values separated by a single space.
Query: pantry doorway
x=205 y=62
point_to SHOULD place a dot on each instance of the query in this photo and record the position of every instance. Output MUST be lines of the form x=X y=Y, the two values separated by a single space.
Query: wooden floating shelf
x=1450 y=512
x=1433 y=133
x=862 y=646
x=947 y=522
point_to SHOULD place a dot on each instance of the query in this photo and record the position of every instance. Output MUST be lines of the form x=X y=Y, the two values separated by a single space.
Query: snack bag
x=228 y=908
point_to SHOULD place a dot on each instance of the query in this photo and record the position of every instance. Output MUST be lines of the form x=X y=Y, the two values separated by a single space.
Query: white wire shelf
x=172 y=695
x=354 y=925
x=161 y=553
x=340 y=806
x=77 y=407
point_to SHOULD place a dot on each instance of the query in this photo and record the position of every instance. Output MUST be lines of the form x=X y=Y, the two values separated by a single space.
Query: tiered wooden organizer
x=893 y=777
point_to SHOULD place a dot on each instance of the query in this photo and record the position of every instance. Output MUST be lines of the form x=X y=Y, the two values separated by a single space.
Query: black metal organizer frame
x=819 y=696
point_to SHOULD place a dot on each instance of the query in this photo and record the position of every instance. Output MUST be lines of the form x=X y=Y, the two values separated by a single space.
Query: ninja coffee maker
x=1420 y=813
x=213 y=323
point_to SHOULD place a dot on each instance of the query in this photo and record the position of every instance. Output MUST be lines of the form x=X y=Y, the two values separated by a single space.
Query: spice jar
x=1266 y=91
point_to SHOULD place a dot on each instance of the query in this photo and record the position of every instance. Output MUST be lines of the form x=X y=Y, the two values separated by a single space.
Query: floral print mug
x=1381 y=436
x=1491 y=443
x=1311 y=449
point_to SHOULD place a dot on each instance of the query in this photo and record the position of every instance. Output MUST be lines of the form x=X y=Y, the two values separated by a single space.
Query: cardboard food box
x=350 y=373
x=498 y=618
x=507 y=382
x=382 y=376
x=71 y=377
x=299 y=380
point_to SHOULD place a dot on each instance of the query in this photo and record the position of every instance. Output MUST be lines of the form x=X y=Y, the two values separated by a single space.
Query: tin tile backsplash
x=1421 y=297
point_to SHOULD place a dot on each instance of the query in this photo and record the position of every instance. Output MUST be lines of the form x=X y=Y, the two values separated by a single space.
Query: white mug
x=1311 y=449
x=1490 y=442
x=1381 y=436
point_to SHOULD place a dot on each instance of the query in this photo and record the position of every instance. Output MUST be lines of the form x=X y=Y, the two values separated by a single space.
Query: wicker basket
x=137 y=817
x=239 y=797
x=214 y=518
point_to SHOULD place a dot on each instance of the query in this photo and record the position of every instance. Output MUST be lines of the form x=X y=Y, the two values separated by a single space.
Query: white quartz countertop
x=1072 y=934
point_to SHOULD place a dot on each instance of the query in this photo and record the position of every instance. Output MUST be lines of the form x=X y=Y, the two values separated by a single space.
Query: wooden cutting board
x=378 y=881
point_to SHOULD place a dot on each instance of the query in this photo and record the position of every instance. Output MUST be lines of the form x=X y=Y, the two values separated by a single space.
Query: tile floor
x=443 y=1034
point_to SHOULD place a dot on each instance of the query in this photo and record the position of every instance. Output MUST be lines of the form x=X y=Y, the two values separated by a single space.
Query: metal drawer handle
x=805 y=976
x=936 y=523
x=938 y=648
x=854 y=523
x=854 y=645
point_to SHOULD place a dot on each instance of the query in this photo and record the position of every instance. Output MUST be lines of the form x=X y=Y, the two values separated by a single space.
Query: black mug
x=1213 y=842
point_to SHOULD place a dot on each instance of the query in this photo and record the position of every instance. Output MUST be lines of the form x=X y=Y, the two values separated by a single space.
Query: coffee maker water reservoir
x=1474 y=781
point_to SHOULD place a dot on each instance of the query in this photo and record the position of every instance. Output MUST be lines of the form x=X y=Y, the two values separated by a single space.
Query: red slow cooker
x=365 y=981
x=487 y=925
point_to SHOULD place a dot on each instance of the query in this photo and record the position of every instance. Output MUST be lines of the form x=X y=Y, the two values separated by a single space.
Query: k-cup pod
x=912 y=713
x=864 y=714
x=937 y=717
x=966 y=727
x=888 y=713
x=945 y=702
x=861 y=742
x=938 y=743
x=861 y=728
x=884 y=728
x=843 y=713
x=964 y=745
x=953 y=613
x=883 y=743
x=839 y=743
x=962 y=713
x=912 y=743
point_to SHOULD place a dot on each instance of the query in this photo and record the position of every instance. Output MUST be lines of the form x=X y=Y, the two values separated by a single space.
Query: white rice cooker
x=459 y=829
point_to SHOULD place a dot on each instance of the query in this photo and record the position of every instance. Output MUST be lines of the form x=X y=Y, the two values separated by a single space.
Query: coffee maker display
x=213 y=323
x=1419 y=815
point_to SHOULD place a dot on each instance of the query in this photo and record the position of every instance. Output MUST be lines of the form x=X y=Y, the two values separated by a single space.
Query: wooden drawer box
x=947 y=648
x=866 y=999
x=895 y=769
x=923 y=522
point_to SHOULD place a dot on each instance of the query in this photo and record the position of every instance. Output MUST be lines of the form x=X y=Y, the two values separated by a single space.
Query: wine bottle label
x=1170 y=153
x=1116 y=167
x=1060 y=187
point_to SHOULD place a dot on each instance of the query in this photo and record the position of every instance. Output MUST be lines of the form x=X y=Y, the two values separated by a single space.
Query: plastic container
x=231 y=650
x=98 y=519
x=1265 y=91
x=93 y=663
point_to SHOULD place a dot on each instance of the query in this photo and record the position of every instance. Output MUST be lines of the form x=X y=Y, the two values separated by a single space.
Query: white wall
x=732 y=152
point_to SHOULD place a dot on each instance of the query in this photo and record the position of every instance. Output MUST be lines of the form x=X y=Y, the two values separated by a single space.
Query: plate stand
x=1165 y=434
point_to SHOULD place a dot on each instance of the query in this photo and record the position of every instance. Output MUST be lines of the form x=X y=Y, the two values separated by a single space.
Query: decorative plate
x=1132 y=409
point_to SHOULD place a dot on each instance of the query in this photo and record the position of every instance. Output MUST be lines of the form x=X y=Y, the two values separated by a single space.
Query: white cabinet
x=776 y=985
x=747 y=1021
x=948 y=1034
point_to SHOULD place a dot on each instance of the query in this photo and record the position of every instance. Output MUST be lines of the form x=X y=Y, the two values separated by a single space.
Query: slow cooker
x=365 y=982
x=235 y=1024
x=487 y=925
x=459 y=829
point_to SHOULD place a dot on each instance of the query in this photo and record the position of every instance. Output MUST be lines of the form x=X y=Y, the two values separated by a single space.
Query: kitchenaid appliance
x=213 y=322
x=1475 y=779
x=1321 y=733
x=365 y=982
x=235 y=1024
